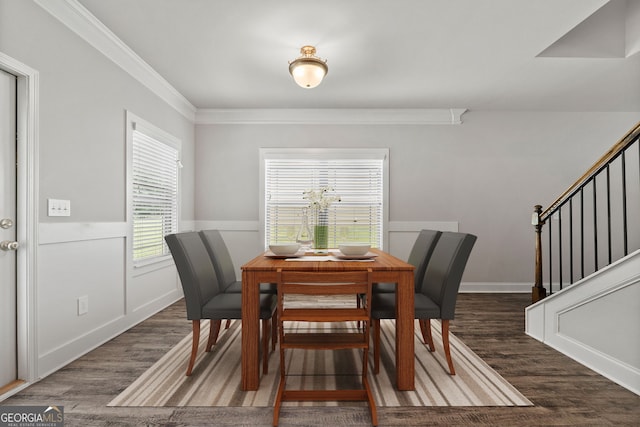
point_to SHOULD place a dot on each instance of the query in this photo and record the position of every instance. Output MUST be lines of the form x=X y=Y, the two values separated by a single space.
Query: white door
x=8 y=309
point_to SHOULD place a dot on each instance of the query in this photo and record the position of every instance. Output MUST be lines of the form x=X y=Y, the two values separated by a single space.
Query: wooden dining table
x=385 y=268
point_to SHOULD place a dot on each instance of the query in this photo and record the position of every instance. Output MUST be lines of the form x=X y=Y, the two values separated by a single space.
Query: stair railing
x=595 y=222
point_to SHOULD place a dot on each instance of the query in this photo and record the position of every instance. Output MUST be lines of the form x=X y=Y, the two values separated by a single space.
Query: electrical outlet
x=83 y=305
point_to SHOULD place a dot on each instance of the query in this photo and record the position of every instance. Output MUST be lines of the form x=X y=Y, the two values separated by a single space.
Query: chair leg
x=214 y=330
x=375 y=323
x=367 y=387
x=228 y=324
x=266 y=333
x=274 y=330
x=445 y=343
x=372 y=404
x=425 y=327
x=278 y=402
x=195 y=325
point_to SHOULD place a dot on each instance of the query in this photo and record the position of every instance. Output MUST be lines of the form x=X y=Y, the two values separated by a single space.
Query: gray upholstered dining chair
x=418 y=257
x=204 y=298
x=223 y=265
x=435 y=298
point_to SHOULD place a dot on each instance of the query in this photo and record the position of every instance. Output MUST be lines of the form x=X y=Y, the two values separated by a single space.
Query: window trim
x=327 y=154
x=134 y=122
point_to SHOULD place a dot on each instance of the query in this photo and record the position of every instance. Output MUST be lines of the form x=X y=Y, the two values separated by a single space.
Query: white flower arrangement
x=320 y=198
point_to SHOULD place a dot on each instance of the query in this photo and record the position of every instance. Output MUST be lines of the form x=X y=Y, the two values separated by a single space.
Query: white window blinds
x=357 y=217
x=154 y=195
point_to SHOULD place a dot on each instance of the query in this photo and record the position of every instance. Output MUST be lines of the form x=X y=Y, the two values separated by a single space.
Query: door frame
x=27 y=218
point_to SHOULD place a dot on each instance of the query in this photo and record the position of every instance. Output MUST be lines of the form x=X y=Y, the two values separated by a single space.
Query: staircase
x=586 y=300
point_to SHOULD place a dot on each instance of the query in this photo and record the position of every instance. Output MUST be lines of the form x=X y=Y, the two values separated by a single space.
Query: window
x=359 y=177
x=153 y=190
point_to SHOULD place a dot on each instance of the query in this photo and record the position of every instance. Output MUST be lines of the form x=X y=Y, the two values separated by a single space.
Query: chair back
x=197 y=275
x=444 y=272
x=332 y=283
x=220 y=256
x=421 y=254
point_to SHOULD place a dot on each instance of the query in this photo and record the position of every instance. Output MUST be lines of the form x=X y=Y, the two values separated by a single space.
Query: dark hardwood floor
x=563 y=391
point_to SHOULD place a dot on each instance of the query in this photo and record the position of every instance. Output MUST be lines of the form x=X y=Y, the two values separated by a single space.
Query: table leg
x=250 y=332
x=405 y=355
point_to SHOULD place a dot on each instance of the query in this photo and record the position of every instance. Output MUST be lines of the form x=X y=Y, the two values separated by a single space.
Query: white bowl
x=285 y=248
x=354 y=249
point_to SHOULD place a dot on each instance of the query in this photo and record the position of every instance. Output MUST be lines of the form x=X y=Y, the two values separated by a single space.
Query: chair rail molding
x=52 y=232
x=416 y=226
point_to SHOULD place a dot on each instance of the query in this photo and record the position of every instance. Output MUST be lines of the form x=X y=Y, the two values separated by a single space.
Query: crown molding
x=88 y=27
x=332 y=116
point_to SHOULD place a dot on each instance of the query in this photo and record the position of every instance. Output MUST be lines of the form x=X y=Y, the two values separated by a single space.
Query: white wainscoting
x=89 y=259
x=595 y=321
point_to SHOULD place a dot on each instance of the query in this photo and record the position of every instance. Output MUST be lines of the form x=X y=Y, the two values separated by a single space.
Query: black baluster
x=609 y=213
x=624 y=203
x=571 y=240
x=581 y=232
x=595 y=226
x=550 y=257
x=560 y=246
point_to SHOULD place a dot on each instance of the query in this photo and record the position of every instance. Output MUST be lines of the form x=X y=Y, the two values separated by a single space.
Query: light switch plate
x=59 y=207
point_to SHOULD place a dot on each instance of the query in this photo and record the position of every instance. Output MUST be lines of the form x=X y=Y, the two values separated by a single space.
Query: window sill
x=147 y=266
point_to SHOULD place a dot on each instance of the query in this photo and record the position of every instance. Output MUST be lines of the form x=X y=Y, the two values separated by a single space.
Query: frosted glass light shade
x=308 y=70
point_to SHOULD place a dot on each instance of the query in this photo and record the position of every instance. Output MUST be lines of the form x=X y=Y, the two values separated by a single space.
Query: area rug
x=215 y=380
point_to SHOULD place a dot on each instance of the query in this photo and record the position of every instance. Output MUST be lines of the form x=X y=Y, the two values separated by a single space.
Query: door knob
x=6 y=223
x=7 y=245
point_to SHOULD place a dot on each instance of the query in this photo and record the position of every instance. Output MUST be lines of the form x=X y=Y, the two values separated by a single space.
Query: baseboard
x=52 y=361
x=609 y=367
x=495 y=287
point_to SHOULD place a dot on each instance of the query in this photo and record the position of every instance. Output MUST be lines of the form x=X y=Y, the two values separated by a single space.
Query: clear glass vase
x=305 y=236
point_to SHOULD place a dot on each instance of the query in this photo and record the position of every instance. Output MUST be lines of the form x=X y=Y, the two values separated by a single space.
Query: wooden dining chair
x=435 y=298
x=204 y=298
x=307 y=285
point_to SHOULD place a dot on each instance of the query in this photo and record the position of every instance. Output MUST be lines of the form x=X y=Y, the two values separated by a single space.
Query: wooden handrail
x=626 y=140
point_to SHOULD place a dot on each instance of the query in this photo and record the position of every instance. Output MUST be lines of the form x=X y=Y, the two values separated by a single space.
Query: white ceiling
x=475 y=54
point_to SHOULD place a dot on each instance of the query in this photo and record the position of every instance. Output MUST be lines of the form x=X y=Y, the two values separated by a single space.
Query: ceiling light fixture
x=308 y=70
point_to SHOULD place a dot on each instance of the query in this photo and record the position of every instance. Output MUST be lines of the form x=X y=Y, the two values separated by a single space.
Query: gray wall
x=486 y=174
x=83 y=98
x=82 y=157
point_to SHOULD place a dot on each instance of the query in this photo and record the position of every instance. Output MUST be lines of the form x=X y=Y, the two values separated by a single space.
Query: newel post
x=538 y=292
